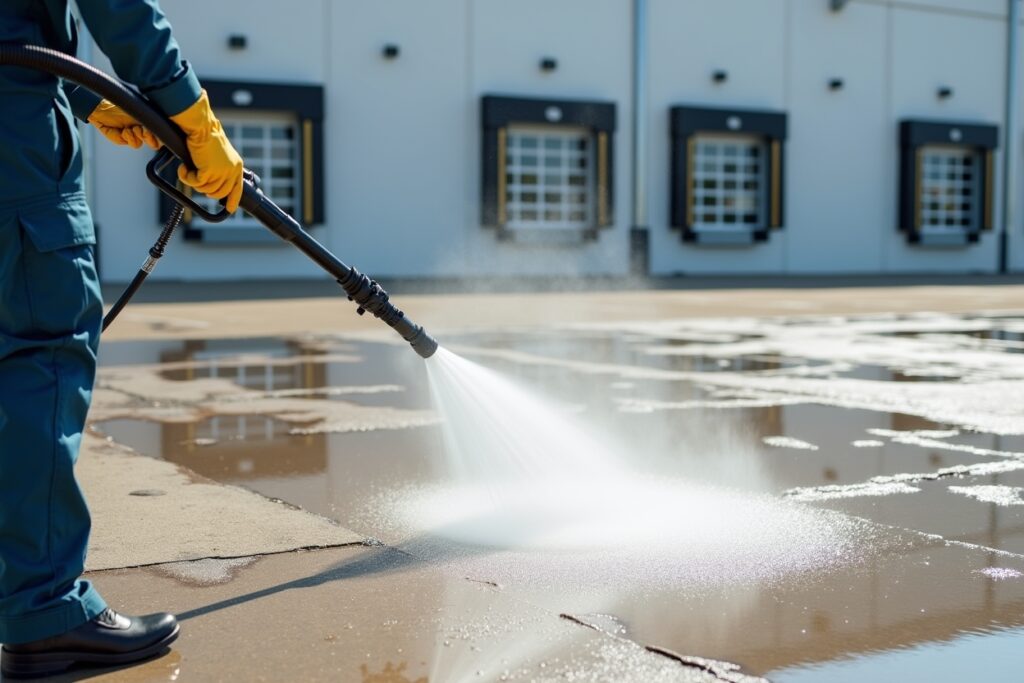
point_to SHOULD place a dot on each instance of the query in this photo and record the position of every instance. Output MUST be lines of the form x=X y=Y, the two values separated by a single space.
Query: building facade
x=479 y=138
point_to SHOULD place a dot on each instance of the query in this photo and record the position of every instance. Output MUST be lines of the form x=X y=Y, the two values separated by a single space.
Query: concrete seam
x=230 y=557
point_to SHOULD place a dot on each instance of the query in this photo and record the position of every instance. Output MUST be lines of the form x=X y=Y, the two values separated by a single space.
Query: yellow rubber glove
x=119 y=127
x=219 y=167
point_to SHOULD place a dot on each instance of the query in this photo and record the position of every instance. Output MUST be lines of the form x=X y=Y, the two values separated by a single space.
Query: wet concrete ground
x=902 y=435
x=370 y=614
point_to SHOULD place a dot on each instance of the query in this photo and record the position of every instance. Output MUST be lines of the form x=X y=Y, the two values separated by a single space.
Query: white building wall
x=841 y=153
x=841 y=184
x=688 y=41
x=287 y=42
x=402 y=136
x=994 y=8
x=1015 y=251
x=592 y=42
x=397 y=132
x=967 y=53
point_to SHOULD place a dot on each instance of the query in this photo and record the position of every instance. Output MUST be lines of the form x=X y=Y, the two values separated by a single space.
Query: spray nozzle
x=371 y=297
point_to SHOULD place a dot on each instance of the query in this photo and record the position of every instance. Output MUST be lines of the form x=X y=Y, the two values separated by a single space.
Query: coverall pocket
x=62 y=225
x=69 y=159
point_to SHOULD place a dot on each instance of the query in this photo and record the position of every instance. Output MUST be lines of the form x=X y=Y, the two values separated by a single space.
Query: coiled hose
x=365 y=292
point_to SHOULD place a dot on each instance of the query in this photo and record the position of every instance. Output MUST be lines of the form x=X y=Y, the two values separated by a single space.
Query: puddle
x=967 y=657
x=935 y=509
x=911 y=422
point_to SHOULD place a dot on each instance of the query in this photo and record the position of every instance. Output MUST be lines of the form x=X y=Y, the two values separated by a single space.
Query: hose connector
x=370 y=296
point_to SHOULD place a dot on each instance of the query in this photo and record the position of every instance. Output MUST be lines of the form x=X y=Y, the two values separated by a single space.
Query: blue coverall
x=50 y=303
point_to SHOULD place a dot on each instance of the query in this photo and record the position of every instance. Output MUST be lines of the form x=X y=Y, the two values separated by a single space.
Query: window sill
x=726 y=238
x=553 y=237
x=255 y=235
x=945 y=240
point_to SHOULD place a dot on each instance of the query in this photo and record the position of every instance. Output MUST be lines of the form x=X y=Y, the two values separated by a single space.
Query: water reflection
x=252 y=363
x=221 y=448
x=966 y=657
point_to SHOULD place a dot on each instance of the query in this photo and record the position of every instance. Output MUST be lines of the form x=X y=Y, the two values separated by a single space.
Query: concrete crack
x=230 y=557
x=723 y=671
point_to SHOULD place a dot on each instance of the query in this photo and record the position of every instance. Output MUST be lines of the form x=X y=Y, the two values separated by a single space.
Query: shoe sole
x=18 y=665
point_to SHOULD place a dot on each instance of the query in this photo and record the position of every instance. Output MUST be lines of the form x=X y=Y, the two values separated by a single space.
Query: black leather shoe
x=108 y=640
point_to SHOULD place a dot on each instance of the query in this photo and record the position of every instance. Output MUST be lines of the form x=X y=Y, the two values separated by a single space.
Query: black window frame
x=497 y=112
x=686 y=123
x=306 y=103
x=915 y=134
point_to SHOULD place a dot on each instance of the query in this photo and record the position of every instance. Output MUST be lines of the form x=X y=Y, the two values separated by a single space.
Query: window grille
x=728 y=174
x=266 y=376
x=549 y=177
x=263 y=377
x=270 y=147
x=947 y=181
x=949 y=190
x=729 y=182
x=547 y=172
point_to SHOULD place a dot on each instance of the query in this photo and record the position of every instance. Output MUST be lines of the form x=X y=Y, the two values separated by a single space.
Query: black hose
x=254 y=202
x=155 y=254
x=88 y=76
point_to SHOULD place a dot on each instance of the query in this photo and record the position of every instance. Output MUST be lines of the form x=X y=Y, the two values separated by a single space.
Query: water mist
x=525 y=474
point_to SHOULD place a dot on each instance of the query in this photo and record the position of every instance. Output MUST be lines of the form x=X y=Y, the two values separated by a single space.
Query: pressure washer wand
x=365 y=292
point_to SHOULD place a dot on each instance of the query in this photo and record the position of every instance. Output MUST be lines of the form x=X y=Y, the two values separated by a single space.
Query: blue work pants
x=50 y=316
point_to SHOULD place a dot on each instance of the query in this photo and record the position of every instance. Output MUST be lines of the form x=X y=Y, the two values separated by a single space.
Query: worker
x=50 y=317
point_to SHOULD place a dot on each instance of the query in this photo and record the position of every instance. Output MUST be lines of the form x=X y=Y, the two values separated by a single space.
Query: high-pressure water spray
x=360 y=289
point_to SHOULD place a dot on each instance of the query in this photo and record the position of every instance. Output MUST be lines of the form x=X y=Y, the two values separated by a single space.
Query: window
x=549 y=174
x=265 y=376
x=268 y=376
x=949 y=188
x=728 y=182
x=547 y=168
x=727 y=174
x=946 y=181
x=278 y=130
x=269 y=145
x=254 y=364
x=222 y=445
